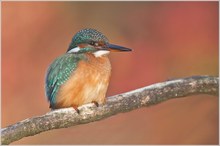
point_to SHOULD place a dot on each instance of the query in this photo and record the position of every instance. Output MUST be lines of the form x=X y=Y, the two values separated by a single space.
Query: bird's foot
x=76 y=108
x=96 y=103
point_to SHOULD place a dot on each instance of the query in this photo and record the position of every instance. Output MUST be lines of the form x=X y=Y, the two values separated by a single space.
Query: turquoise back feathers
x=59 y=72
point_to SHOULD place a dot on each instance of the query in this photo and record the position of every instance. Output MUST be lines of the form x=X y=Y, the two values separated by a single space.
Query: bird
x=82 y=74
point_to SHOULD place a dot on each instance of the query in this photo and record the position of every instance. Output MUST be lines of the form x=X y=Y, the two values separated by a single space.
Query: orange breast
x=88 y=83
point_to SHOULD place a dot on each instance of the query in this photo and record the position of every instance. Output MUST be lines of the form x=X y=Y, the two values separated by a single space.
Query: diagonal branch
x=125 y=102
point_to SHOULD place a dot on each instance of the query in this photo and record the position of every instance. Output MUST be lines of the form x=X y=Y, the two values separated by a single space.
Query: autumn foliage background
x=169 y=40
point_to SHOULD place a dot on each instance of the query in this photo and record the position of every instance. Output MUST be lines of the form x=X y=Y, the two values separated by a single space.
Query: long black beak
x=117 y=48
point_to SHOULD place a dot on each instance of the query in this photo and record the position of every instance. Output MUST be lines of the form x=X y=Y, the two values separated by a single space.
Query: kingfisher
x=82 y=74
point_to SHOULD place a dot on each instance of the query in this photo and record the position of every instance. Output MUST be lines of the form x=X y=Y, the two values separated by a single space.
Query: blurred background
x=169 y=40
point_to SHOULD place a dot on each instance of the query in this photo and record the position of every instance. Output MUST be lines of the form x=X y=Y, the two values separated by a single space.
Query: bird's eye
x=94 y=43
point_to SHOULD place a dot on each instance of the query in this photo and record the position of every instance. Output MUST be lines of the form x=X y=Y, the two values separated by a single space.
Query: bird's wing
x=58 y=73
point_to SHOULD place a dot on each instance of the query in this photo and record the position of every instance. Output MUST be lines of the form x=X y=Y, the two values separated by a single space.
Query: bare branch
x=125 y=102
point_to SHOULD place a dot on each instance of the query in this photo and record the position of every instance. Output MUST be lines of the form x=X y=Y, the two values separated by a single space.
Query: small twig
x=125 y=102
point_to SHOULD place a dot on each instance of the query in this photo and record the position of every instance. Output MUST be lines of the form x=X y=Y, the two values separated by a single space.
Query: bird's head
x=92 y=41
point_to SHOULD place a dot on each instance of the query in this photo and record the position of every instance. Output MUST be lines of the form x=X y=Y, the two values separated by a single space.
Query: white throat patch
x=101 y=53
x=76 y=49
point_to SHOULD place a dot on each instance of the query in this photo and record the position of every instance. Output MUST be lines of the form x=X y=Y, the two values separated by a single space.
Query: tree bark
x=146 y=96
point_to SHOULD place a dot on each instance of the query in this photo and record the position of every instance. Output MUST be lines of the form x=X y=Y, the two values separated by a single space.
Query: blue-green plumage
x=59 y=72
